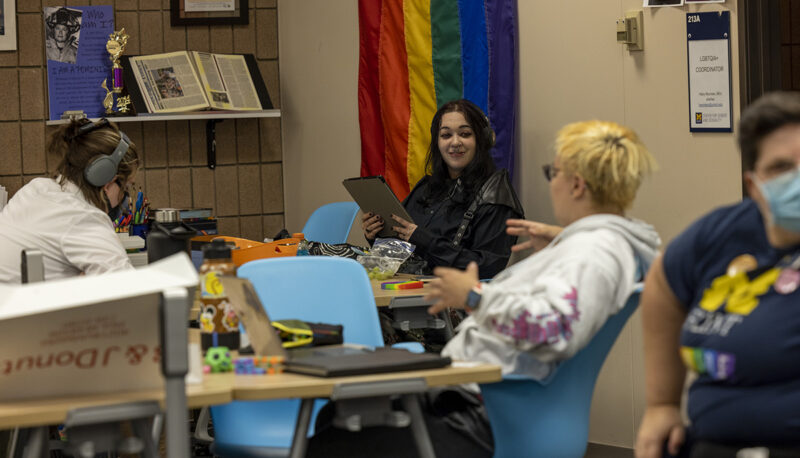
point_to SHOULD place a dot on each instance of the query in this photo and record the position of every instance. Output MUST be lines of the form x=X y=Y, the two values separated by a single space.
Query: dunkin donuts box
x=88 y=334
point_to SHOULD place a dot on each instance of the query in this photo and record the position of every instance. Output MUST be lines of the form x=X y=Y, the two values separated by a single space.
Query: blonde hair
x=77 y=150
x=610 y=157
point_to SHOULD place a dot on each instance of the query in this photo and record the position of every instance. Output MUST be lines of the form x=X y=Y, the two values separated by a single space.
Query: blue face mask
x=783 y=197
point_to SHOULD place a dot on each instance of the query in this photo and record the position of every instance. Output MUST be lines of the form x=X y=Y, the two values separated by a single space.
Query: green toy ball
x=219 y=359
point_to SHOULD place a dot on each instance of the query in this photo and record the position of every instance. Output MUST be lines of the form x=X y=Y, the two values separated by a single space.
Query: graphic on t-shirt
x=717 y=364
x=728 y=299
x=742 y=263
x=737 y=293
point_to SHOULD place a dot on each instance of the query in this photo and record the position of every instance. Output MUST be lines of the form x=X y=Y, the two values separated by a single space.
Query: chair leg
x=157 y=427
x=418 y=427
x=300 y=440
x=37 y=445
x=201 y=427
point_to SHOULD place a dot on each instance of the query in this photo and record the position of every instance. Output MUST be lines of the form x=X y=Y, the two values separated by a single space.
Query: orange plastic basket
x=250 y=250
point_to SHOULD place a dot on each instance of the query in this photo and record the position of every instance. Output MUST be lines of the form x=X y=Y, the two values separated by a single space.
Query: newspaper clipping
x=183 y=81
x=169 y=82
x=227 y=81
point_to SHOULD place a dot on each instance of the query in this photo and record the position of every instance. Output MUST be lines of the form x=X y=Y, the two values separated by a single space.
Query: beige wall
x=319 y=103
x=570 y=69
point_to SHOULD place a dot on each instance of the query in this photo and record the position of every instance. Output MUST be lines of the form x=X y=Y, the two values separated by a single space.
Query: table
x=407 y=384
x=384 y=297
x=223 y=388
x=53 y=411
x=409 y=307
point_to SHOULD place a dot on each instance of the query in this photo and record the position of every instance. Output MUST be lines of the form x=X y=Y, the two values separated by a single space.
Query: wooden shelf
x=207 y=115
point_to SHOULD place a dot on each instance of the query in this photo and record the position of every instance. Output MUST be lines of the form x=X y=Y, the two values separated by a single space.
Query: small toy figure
x=207 y=319
x=219 y=359
x=258 y=365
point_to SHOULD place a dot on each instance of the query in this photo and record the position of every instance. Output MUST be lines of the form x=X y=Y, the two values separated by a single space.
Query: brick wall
x=245 y=190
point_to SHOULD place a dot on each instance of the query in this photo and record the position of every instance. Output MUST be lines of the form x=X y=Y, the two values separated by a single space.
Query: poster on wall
x=77 y=60
x=8 y=25
x=709 y=58
x=656 y=3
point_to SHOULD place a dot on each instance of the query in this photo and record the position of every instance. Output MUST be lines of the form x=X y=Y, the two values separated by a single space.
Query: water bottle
x=219 y=324
x=302 y=247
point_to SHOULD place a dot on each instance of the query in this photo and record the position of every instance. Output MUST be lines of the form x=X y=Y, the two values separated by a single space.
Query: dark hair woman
x=461 y=205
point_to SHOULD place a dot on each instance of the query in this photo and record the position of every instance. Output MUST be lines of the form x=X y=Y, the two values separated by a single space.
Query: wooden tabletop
x=53 y=411
x=304 y=386
x=223 y=388
x=383 y=297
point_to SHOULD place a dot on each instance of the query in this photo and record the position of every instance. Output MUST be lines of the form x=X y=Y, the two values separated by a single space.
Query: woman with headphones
x=68 y=217
x=461 y=206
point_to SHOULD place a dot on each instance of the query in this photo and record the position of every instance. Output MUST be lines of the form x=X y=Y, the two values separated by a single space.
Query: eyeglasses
x=550 y=171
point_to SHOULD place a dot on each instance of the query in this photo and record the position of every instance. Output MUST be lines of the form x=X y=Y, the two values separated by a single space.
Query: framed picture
x=208 y=12
x=8 y=25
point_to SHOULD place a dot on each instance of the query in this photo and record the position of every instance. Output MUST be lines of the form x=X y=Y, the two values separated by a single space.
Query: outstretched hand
x=451 y=287
x=540 y=234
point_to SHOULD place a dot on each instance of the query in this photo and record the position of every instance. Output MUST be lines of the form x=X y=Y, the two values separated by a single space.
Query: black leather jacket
x=485 y=240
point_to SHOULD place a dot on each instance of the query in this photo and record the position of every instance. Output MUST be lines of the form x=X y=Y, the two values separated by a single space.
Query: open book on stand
x=189 y=81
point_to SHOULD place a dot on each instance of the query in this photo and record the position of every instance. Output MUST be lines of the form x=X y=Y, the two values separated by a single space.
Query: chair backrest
x=552 y=420
x=331 y=223
x=311 y=288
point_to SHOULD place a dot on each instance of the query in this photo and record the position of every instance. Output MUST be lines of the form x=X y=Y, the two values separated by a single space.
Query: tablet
x=372 y=194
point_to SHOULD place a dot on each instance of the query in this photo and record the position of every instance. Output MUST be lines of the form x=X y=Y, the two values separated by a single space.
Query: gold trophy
x=115 y=47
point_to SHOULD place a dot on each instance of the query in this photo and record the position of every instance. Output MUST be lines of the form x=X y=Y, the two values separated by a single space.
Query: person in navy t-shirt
x=724 y=302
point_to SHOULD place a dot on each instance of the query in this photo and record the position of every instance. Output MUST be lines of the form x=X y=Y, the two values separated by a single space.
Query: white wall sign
x=708 y=46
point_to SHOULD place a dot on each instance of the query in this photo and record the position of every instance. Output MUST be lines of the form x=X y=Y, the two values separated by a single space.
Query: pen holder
x=141 y=230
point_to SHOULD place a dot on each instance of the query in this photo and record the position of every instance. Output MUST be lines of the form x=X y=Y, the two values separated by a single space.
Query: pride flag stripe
x=446 y=37
x=425 y=53
x=502 y=23
x=369 y=19
x=394 y=94
x=474 y=52
x=420 y=81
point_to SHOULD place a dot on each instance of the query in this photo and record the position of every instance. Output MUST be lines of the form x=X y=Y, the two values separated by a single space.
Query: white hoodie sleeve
x=553 y=311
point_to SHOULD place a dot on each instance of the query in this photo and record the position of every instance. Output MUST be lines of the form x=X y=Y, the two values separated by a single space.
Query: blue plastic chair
x=552 y=420
x=312 y=288
x=331 y=223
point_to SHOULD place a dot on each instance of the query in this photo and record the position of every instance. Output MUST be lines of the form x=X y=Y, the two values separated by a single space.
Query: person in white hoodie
x=544 y=309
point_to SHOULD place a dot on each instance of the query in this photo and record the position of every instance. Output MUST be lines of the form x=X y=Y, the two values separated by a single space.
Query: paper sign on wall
x=77 y=60
x=709 y=59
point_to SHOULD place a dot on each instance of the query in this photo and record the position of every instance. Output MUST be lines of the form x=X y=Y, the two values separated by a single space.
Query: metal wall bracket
x=211 y=142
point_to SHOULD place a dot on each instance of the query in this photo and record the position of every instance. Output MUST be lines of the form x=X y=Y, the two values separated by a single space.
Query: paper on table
x=3 y=197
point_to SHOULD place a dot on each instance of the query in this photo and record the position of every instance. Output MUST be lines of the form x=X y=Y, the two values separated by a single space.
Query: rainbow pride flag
x=415 y=55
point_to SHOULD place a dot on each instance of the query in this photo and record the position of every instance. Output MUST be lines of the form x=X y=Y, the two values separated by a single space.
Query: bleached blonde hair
x=610 y=157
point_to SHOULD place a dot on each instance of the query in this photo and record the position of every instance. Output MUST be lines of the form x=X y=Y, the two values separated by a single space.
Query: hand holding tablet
x=374 y=196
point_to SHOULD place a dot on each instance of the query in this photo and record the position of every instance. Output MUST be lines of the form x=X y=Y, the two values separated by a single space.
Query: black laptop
x=342 y=360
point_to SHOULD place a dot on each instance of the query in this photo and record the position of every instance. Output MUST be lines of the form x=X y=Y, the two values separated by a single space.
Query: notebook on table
x=343 y=360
